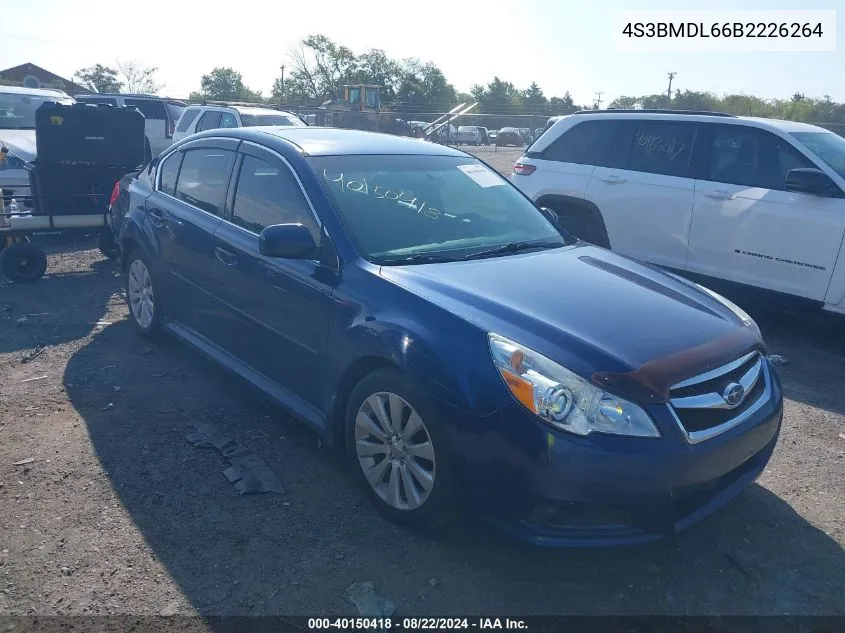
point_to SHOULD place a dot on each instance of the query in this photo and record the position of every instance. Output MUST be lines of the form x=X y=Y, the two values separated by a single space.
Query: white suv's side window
x=662 y=148
x=227 y=119
x=742 y=155
x=588 y=143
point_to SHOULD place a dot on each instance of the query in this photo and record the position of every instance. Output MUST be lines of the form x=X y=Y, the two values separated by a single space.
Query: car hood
x=20 y=142
x=624 y=325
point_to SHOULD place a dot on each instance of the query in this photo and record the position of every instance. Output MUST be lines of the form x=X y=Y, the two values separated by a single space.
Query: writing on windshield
x=406 y=199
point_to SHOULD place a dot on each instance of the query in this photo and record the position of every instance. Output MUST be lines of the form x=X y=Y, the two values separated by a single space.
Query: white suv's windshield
x=828 y=146
x=256 y=120
x=414 y=209
x=17 y=110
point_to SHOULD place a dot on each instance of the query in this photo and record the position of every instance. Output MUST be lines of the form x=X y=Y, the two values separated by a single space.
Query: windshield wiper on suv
x=512 y=247
x=420 y=258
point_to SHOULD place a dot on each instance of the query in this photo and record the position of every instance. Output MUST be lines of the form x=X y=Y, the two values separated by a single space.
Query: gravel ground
x=120 y=514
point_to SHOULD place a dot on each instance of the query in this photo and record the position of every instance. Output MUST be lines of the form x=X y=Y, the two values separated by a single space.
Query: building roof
x=25 y=72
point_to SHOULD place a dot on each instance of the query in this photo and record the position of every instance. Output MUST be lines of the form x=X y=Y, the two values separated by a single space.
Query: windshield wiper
x=513 y=247
x=420 y=258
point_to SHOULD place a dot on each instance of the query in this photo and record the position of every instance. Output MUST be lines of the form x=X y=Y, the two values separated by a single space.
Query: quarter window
x=209 y=121
x=662 y=148
x=269 y=194
x=588 y=143
x=204 y=178
x=187 y=118
x=227 y=119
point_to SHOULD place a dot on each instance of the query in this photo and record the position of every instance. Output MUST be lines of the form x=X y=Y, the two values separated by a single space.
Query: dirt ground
x=120 y=514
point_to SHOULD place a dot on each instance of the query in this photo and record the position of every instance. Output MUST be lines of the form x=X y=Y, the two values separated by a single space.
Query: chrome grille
x=718 y=400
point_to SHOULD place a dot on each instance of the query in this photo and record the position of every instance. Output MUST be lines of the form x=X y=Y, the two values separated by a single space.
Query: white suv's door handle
x=612 y=179
x=718 y=194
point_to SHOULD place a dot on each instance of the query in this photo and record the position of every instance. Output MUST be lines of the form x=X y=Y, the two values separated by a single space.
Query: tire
x=23 y=262
x=107 y=244
x=412 y=505
x=142 y=296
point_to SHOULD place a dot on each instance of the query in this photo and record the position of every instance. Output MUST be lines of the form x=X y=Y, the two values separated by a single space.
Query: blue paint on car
x=429 y=263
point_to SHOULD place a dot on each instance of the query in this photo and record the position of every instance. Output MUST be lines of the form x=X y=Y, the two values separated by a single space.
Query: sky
x=561 y=44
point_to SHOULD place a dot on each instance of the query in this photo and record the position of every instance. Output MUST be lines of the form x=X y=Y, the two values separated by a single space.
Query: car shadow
x=58 y=308
x=298 y=552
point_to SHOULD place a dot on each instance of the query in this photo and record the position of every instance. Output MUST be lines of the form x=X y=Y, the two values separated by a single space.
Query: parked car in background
x=538 y=132
x=468 y=135
x=749 y=201
x=509 y=136
x=17 y=136
x=209 y=117
x=160 y=114
x=404 y=300
x=491 y=135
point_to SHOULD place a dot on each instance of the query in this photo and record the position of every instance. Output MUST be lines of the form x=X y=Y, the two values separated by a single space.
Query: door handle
x=612 y=179
x=225 y=257
x=157 y=218
x=719 y=194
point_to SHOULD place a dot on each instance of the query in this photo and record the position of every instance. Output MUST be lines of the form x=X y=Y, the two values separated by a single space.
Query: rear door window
x=204 y=178
x=168 y=172
x=150 y=108
x=210 y=121
x=227 y=119
x=663 y=148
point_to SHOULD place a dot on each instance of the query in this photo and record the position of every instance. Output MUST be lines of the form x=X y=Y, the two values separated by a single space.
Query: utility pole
x=283 y=84
x=669 y=92
x=598 y=99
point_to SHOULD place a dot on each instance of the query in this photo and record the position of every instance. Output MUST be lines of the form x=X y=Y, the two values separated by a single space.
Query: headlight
x=563 y=399
x=741 y=314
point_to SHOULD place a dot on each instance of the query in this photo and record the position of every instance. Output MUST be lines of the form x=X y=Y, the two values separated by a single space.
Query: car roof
x=329 y=141
x=260 y=110
x=35 y=92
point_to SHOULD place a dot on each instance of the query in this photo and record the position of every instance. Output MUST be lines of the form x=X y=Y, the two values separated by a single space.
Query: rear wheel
x=23 y=262
x=142 y=296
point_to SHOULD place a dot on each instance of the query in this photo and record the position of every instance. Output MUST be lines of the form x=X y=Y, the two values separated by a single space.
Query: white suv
x=210 y=117
x=759 y=202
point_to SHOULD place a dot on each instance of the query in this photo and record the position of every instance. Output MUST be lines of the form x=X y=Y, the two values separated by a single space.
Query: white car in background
x=754 y=202
x=198 y=118
x=468 y=135
x=17 y=136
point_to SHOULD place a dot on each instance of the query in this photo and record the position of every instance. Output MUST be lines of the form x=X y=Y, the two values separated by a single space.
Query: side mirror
x=811 y=181
x=551 y=216
x=287 y=241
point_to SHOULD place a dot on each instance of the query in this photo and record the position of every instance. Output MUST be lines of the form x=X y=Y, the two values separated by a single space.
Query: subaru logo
x=734 y=394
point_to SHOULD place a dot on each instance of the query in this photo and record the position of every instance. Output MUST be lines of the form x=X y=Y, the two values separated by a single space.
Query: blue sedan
x=417 y=311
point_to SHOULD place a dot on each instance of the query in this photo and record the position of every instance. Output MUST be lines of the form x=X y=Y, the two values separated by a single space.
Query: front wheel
x=142 y=296
x=397 y=451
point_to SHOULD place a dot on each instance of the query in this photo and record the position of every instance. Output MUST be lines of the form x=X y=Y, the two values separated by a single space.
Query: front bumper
x=554 y=489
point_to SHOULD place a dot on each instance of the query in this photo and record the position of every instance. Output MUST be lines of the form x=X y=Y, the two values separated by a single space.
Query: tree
x=424 y=84
x=562 y=105
x=320 y=69
x=99 y=78
x=533 y=99
x=376 y=68
x=139 y=79
x=225 y=84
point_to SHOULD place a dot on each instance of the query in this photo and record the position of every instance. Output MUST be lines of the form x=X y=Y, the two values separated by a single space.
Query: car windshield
x=828 y=146
x=400 y=207
x=17 y=110
x=255 y=120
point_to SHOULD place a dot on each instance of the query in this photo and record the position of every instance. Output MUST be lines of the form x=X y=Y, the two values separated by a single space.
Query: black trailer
x=82 y=150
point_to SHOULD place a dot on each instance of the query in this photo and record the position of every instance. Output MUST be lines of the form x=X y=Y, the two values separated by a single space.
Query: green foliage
x=796 y=108
x=99 y=78
x=225 y=84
